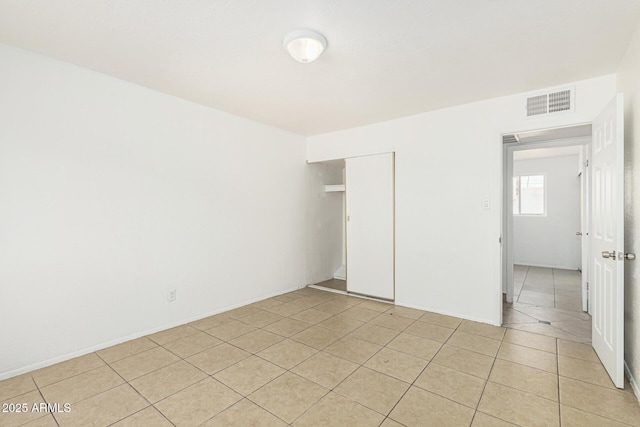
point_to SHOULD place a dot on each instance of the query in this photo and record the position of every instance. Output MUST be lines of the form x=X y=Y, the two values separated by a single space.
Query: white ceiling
x=385 y=59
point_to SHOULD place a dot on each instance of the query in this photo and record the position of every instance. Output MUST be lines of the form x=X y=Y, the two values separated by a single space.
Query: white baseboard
x=322 y=288
x=94 y=348
x=558 y=267
x=446 y=313
x=632 y=381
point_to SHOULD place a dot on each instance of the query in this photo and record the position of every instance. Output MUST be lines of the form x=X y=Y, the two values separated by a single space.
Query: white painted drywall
x=112 y=194
x=629 y=85
x=550 y=240
x=447 y=163
x=325 y=221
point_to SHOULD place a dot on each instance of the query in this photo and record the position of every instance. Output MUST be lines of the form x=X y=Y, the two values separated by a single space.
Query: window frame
x=544 y=192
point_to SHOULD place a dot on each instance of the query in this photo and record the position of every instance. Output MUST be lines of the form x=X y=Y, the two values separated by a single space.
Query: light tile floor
x=314 y=358
x=548 y=287
x=548 y=302
x=337 y=284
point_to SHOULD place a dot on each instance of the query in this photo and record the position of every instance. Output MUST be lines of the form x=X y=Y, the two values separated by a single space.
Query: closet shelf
x=333 y=188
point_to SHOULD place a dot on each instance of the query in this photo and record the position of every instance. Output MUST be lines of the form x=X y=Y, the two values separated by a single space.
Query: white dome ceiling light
x=304 y=45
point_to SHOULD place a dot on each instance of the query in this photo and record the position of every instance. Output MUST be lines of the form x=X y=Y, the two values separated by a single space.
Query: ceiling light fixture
x=304 y=45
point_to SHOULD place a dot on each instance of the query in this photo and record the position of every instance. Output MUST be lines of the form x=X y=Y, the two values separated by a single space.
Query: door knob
x=629 y=256
x=607 y=254
x=578 y=233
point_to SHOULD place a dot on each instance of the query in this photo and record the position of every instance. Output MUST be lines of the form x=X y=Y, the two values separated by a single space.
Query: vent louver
x=549 y=103
x=560 y=101
x=537 y=105
x=508 y=139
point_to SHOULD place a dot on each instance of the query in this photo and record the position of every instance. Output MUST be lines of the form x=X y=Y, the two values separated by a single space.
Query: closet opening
x=352 y=225
x=327 y=224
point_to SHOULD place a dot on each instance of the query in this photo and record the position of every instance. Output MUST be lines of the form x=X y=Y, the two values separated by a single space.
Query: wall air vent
x=550 y=103
x=509 y=139
x=537 y=105
x=560 y=101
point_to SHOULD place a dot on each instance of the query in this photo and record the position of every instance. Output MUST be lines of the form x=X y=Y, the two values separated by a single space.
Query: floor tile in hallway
x=314 y=358
x=548 y=302
x=548 y=287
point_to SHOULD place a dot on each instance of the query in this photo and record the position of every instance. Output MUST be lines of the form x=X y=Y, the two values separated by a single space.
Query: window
x=528 y=195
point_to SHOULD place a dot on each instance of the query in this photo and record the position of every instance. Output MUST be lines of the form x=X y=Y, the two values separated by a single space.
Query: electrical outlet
x=171 y=295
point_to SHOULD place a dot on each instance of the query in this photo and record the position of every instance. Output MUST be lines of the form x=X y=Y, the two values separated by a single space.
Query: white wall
x=629 y=85
x=325 y=221
x=112 y=194
x=447 y=162
x=550 y=240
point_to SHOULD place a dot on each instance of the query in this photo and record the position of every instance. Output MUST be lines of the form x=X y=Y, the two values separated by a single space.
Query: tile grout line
x=333 y=315
x=239 y=401
x=136 y=390
x=285 y=370
x=329 y=390
x=488 y=376
x=66 y=378
x=44 y=400
x=524 y=282
x=173 y=363
x=600 y=415
x=359 y=365
x=207 y=374
x=422 y=372
x=575 y=316
x=97 y=394
x=382 y=373
x=94 y=395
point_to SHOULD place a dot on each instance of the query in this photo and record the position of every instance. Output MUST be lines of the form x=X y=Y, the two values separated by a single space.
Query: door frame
x=507 y=242
x=585 y=222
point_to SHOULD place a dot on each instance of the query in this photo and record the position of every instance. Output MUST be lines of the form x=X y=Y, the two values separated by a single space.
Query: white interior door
x=370 y=225
x=606 y=267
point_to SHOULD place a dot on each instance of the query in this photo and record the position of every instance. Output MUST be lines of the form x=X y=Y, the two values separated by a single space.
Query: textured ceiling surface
x=385 y=59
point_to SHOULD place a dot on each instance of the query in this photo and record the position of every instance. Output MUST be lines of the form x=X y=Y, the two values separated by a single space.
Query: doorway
x=605 y=224
x=366 y=233
x=326 y=224
x=545 y=234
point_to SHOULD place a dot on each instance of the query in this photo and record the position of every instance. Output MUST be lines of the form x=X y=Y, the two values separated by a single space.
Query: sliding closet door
x=370 y=225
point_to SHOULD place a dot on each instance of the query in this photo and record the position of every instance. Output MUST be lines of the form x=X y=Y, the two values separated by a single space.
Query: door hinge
x=500 y=240
x=586 y=163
